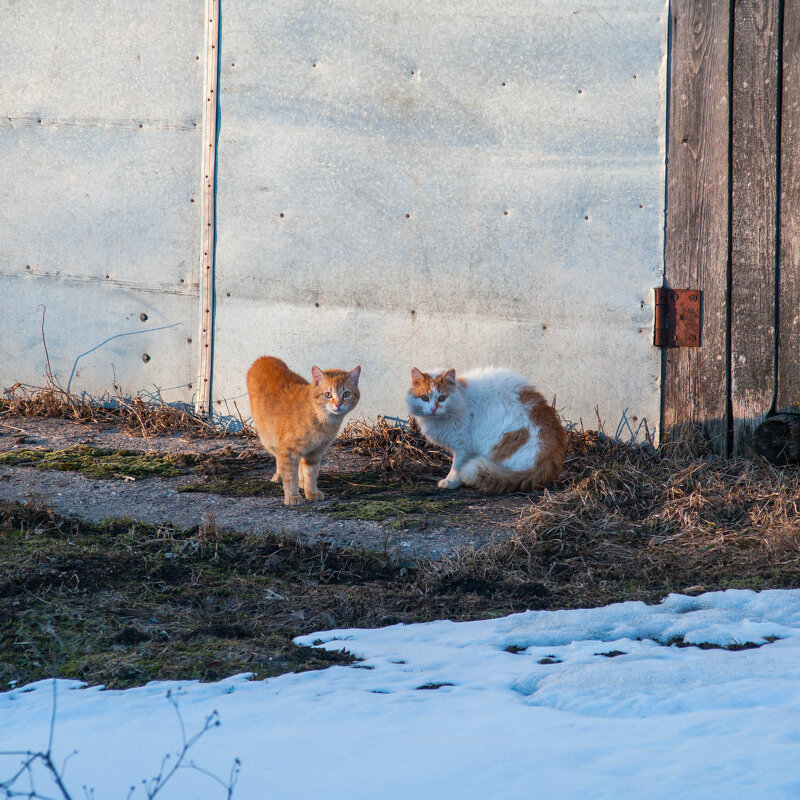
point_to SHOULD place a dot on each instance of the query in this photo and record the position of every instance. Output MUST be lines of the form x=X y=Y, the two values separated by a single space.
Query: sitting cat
x=502 y=433
x=297 y=420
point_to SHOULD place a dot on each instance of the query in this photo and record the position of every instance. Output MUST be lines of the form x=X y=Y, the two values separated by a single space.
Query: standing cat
x=297 y=420
x=502 y=433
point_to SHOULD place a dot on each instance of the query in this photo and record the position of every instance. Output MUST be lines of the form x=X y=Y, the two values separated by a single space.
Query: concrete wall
x=452 y=184
x=101 y=142
x=419 y=184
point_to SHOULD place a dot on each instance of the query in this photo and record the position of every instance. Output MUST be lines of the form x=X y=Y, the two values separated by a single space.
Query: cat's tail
x=488 y=476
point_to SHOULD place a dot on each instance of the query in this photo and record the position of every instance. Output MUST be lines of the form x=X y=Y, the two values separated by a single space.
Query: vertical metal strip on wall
x=209 y=212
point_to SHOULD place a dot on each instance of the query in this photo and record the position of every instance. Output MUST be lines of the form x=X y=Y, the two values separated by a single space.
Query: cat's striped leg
x=288 y=466
x=309 y=470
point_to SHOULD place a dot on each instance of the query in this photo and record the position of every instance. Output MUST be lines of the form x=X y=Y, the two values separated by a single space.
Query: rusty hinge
x=677 y=321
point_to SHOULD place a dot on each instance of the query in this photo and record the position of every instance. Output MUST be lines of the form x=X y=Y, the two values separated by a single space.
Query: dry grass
x=133 y=416
x=398 y=451
x=623 y=521
x=626 y=521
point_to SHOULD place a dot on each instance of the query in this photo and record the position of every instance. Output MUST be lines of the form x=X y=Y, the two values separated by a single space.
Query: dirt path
x=404 y=521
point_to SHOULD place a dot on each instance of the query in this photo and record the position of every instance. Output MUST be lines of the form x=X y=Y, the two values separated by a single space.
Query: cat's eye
x=328 y=394
x=442 y=398
x=425 y=398
x=346 y=394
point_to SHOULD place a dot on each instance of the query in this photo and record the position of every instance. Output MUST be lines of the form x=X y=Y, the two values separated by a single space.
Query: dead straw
x=626 y=519
x=398 y=450
x=135 y=416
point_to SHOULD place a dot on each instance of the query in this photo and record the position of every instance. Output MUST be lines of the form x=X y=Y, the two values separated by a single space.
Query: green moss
x=236 y=487
x=102 y=463
x=354 y=495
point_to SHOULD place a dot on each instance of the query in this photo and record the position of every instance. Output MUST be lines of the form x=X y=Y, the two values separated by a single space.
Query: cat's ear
x=416 y=376
x=450 y=376
x=317 y=374
x=354 y=375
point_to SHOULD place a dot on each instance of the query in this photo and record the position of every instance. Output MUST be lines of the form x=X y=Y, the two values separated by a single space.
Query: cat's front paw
x=293 y=499
x=276 y=478
x=315 y=496
x=449 y=483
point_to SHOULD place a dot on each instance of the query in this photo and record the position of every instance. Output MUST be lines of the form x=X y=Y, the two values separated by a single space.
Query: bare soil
x=363 y=508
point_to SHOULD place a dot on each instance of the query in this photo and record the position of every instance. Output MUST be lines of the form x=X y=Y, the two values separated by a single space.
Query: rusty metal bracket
x=678 y=314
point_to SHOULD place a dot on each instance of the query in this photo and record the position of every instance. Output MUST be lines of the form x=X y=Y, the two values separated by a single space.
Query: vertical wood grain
x=696 y=249
x=203 y=404
x=789 y=341
x=753 y=214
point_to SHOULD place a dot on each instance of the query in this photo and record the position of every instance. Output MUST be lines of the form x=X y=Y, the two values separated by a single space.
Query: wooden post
x=789 y=336
x=696 y=252
x=203 y=405
x=753 y=210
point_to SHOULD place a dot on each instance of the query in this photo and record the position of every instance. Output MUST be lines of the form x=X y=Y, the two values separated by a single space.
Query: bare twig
x=47 y=368
x=152 y=787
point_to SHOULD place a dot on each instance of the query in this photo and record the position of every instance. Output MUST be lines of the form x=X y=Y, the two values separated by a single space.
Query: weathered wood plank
x=753 y=210
x=789 y=348
x=696 y=251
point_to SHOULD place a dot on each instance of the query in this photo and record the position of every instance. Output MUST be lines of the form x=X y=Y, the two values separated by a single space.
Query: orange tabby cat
x=297 y=420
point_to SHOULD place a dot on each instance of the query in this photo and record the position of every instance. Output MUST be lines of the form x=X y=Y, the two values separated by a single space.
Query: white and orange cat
x=502 y=433
x=297 y=421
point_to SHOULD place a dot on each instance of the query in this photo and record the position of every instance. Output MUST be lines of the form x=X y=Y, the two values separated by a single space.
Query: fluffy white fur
x=473 y=419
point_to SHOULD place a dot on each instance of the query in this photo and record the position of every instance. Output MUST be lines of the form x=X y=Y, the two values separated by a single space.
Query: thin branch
x=152 y=787
x=48 y=370
x=53 y=718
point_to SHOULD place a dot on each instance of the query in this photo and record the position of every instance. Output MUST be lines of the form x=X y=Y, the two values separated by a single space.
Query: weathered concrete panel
x=103 y=61
x=449 y=184
x=96 y=345
x=101 y=136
